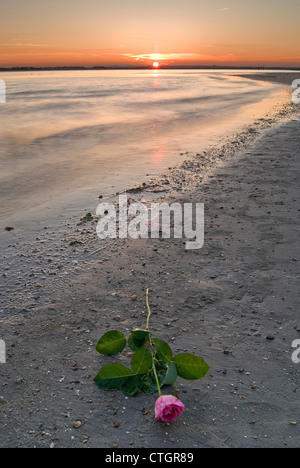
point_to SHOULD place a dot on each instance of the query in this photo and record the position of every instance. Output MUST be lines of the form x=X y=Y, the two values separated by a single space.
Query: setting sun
x=155 y=65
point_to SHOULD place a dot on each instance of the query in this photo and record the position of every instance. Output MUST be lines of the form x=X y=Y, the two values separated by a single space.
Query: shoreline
x=280 y=78
x=29 y=204
x=231 y=293
x=35 y=261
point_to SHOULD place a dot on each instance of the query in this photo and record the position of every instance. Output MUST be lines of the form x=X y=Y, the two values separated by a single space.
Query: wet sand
x=275 y=77
x=235 y=302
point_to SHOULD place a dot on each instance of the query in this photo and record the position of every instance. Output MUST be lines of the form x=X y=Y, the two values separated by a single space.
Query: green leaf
x=112 y=377
x=140 y=334
x=141 y=362
x=164 y=351
x=132 y=385
x=138 y=339
x=149 y=382
x=161 y=366
x=171 y=374
x=135 y=344
x=190 y=367
x=118 y=377
x=111 y=343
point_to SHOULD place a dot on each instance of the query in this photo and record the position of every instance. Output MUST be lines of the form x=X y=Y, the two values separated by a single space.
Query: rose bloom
x=168 y=408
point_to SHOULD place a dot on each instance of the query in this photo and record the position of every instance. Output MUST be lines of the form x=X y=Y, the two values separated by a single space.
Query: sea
x=68 y=137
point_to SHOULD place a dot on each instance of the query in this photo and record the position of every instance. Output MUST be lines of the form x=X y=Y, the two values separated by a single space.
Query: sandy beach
x=234 y=302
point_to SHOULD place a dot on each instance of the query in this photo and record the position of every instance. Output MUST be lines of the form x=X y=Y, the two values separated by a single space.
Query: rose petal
x=168 y=408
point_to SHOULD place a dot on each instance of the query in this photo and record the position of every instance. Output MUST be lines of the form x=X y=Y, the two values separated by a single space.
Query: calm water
x=82 y=134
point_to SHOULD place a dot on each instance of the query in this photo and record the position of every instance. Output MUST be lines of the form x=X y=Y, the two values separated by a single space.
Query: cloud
x=181 y=56
x=166 y=56
x=170 y=56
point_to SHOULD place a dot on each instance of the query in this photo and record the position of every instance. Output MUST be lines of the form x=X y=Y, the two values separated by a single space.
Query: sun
x=155 y=65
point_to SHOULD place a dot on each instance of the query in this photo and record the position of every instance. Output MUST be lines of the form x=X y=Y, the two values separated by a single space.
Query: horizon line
x=148 y=67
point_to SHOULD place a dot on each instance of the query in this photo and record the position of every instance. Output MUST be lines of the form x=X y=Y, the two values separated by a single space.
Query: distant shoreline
x=96 y=68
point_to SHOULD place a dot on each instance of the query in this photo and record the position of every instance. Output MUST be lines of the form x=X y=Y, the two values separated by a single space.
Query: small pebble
x=78 y=424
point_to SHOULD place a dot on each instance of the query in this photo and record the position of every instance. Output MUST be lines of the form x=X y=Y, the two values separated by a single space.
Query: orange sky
x=137 y=32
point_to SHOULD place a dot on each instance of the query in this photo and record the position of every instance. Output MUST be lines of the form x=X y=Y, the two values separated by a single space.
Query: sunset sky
x=138 y=32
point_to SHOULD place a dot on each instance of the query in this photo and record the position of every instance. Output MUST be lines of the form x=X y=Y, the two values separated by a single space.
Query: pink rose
x=168 y=408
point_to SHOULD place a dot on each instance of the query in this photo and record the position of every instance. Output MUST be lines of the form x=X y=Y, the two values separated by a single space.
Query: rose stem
x=150 y=343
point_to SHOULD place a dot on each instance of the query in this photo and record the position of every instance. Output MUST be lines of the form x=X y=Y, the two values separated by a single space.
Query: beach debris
x=76 y=242
x=118 y=318
x=78 y=424
x=134 y=297
x=8 y=229
x=86 y=219
x=138 y=189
